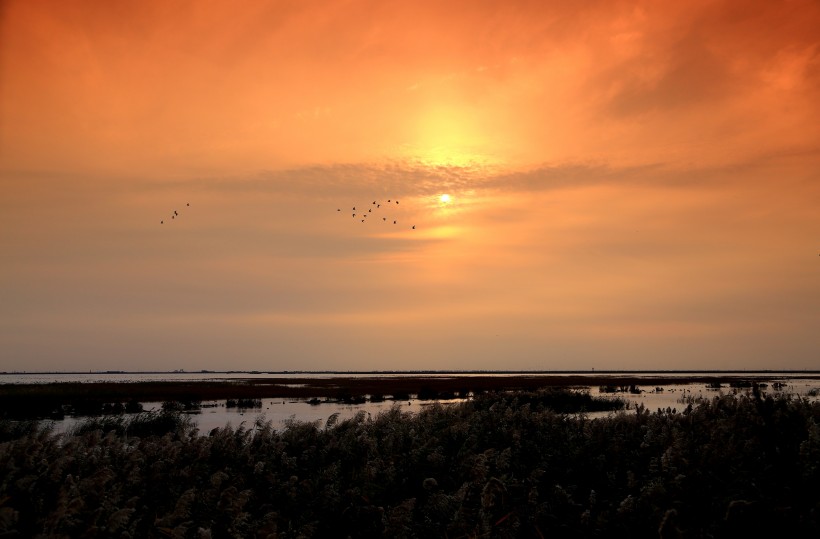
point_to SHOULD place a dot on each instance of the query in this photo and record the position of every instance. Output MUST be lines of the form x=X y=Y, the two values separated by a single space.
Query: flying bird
x=363 y=215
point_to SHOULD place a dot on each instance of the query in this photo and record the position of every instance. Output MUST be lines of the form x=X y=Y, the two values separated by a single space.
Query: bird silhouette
x=174 y=213
x=363 y=215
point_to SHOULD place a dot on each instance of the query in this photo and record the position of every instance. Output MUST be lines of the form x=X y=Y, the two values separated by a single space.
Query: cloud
x=700 y=57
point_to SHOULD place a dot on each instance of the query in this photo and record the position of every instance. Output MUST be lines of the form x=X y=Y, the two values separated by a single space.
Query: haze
x=631 y=185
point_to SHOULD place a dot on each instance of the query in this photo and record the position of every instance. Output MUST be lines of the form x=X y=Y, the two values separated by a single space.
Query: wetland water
x=279 y=411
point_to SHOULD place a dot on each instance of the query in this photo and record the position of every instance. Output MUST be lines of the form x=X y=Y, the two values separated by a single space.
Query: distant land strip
x=587 y=372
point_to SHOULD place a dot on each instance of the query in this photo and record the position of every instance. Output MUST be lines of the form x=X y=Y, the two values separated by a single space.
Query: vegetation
x=499 y=465
x=243 y=403
x=56 y=400
x=182 y=406
x=11 y=430
x=139 y=425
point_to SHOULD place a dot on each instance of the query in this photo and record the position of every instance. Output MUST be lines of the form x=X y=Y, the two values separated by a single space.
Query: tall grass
x=11 y=430
x=501 y=465
x=141 y=424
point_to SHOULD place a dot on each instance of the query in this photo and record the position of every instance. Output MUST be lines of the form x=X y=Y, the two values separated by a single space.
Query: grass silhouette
x=498 y=465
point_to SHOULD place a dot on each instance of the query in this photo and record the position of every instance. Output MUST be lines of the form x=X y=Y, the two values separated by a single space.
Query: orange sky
x=635 y=185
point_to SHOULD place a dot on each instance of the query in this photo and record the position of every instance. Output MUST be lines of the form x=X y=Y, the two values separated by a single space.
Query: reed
x=139 y=425
x=29 y=401
x=499 y=465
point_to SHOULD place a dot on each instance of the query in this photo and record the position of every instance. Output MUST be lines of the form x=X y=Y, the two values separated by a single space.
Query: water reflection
x=215 y=414
x=678 y=396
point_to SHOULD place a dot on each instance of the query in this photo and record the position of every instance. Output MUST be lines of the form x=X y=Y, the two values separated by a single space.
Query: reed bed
x=56 y=400
x=499 y=465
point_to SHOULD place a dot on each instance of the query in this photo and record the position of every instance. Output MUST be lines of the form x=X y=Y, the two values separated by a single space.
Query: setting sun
x=445 y=199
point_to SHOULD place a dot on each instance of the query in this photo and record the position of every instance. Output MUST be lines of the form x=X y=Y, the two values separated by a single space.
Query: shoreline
x=526 y=372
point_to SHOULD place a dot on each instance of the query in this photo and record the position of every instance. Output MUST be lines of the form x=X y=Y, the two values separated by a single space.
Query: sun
x=445 y=198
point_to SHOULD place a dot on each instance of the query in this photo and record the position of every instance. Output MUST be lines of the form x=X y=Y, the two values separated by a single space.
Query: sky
x=630 y=185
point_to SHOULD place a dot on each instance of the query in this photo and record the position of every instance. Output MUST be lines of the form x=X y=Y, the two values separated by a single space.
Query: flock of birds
x=363 y=213
x=366 y=212
x=173 y=215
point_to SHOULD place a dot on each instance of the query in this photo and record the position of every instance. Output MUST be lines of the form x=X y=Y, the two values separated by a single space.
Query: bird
x=175 y=212
x=354 y=215
x=397 y=202
x=384 y=218
x=338 y=209
x=414 y=227
x=394 y=222
x=354 y=208
x=162 y=222
x=187 y=203
x=374 y=202
x=369 y=211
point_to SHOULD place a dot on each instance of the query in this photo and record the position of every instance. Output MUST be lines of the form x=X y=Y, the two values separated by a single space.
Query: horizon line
x=426 y=371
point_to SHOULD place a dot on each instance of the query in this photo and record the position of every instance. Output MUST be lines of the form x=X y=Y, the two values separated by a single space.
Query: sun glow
x=448 y=134
x=445 y=198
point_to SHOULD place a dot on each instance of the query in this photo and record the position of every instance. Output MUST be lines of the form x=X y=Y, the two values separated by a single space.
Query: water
x=675 y=396
x=91 y=377
x=118 y=376
x=279 y=412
